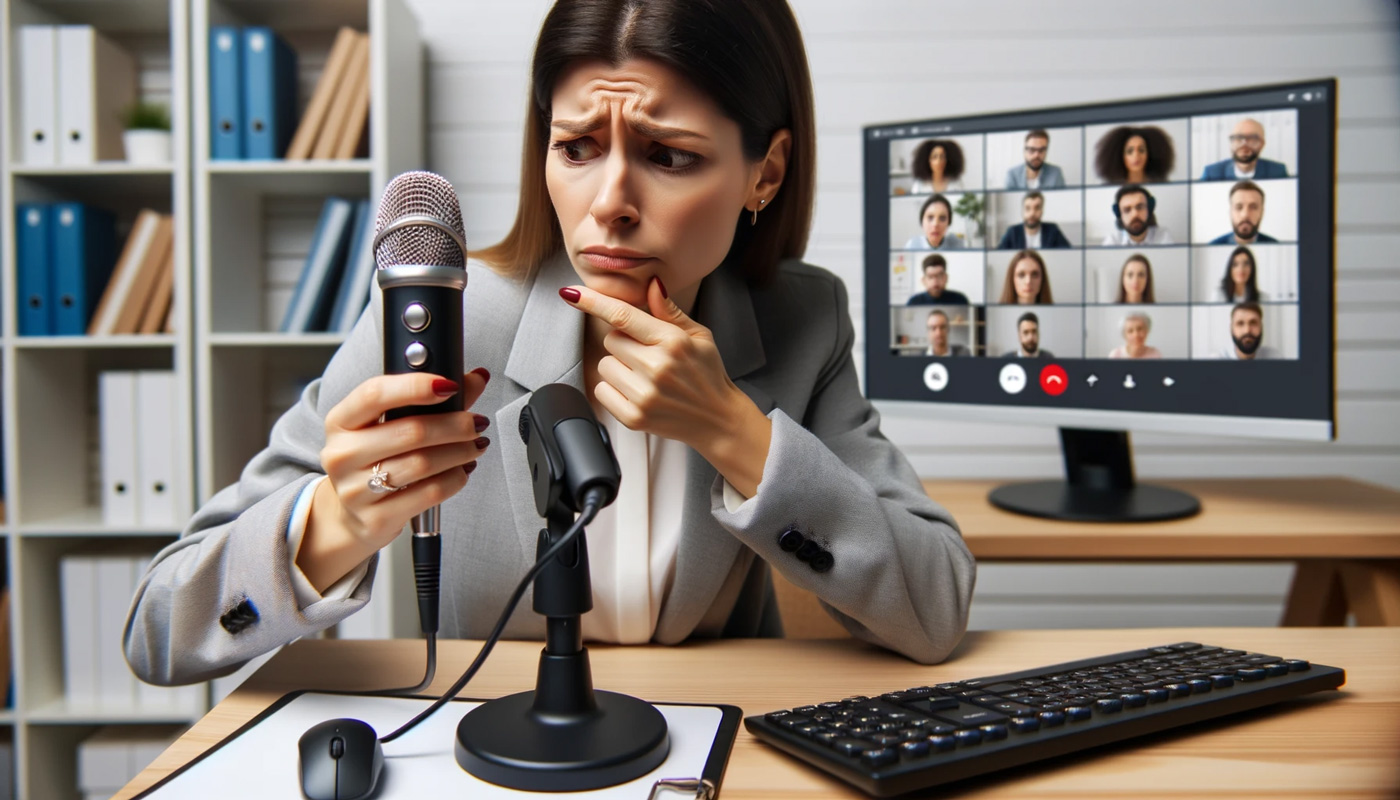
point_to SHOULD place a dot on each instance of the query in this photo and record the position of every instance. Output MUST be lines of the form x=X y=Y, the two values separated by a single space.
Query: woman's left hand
x=663 y=375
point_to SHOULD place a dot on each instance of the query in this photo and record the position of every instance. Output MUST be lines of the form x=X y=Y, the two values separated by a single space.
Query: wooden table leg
x=1372 y=590
x=1316 y=598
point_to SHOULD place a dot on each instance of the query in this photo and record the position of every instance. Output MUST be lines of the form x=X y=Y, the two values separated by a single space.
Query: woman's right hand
x=428 y=457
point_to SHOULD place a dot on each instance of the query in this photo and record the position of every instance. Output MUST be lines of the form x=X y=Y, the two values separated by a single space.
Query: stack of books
x=73 y=84
x=335 y=280
x=335 y=120
x=139 y=294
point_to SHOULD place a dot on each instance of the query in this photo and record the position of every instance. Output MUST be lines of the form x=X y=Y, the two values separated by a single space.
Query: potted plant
x=147 y=135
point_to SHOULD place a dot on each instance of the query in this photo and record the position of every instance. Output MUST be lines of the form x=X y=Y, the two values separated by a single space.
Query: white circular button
x=935 y=377
x=1013 y=379
x=416 y=317
x=416 y=355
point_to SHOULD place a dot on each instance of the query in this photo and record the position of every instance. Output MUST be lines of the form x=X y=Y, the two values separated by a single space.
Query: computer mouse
x=340 y=759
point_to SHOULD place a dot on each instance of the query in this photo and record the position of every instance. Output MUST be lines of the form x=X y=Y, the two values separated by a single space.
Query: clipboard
x=260 y=758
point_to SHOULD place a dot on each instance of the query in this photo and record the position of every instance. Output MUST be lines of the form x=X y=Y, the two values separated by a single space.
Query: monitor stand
x=1099 y=486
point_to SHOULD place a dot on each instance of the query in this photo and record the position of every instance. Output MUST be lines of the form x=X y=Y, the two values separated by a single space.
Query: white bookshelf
x=236 y=223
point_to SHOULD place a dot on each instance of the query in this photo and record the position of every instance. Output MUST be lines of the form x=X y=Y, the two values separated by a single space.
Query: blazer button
x=808 y=551
x=822 y=562
x=791 y=539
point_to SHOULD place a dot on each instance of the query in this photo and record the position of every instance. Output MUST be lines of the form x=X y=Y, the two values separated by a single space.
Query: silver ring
x=379 y=482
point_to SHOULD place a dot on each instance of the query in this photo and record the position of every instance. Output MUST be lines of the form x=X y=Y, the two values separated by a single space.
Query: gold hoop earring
x=754 y=221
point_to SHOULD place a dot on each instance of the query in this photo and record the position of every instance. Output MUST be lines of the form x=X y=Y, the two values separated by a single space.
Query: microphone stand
x=563 y=736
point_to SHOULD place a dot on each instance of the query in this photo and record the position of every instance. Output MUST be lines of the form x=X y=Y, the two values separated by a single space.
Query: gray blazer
x=901 y=578
x=1051 y=177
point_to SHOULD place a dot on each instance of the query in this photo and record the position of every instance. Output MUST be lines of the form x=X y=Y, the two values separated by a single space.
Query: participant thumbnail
x=1136 y=215
x=1035 y=277
x=1244 y=212
x=1137 y=152
x=936 y=165
x=941 y=331
x=1257 y=146
x=931 y=279
x=1245 y=331
x=1041 y=158
x=1035 y=219
x=1132 y=276
x=1137 y=332
x=1265 y=273
x=1035 y=332
x=937 y=222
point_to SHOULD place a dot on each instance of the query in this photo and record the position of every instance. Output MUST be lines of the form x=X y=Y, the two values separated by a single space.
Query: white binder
x=116 y=686
x=120 y=495
x=160 y=496
x=96 y=81
x=77 y=578
x=38 y=61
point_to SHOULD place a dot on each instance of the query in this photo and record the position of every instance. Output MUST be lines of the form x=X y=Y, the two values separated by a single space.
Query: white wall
x=999 y=55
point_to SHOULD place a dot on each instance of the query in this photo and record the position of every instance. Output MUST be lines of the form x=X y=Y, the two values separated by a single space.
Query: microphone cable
x=593 y=502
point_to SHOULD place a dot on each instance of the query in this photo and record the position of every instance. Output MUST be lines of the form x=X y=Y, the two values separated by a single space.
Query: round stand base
x=1059 y=500
x=506 y=743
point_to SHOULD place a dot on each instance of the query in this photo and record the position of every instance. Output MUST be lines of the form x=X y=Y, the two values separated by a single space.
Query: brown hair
x=1038 y=133
x=954 y=168
x=1008 y=286
x=1108 y=153
x=746 y=55
x=1147 y=294
x=934 y=260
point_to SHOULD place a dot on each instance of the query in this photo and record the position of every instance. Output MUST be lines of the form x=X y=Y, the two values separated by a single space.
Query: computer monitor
x=1158 y=264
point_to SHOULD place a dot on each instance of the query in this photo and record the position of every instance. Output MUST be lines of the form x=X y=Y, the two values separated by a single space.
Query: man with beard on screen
x=1246 y=212
x=1028 y=331
x=1246 y=143
x=1247 y=335
x=1034 y=173
x=1032 y=233
x=1136 y=211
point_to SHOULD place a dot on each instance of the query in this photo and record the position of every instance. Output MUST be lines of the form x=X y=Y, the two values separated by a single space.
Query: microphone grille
x=413 y=194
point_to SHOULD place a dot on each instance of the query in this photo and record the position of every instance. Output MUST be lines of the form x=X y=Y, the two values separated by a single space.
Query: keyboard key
x=795 y=721
x=853 y=747
x=1134 y=700
x=1226 y=681
x=884 y=739
x=1250 y=675
x=1297 y=665
x=932 y=704
x=1052 y=719
x=879 y=758
x=1025 y=724
x=1108 y=706
x=1262 y=659
x=804 y=710
x=971 y=715
x=1178 y=689
x=993 y=732
x=1012 y=708
x=1276 y=670
x=1199 y=685
x=1078 y=713
x=1157 y=695
x=968 y=736
x=943 y=742
x=916 y=749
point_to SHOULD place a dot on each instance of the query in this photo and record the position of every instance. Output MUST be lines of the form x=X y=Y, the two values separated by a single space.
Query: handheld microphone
x=420 y=255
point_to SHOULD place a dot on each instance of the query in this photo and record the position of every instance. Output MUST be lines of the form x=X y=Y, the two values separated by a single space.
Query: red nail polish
x=442 y=387
x=470 y=467
x=662 y=287
x=482 y=443
x=480 y=423
x=485 y=376
x=572 y=295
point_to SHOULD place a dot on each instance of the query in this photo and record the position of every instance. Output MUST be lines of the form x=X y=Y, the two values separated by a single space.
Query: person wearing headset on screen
x=1035 y=172
x=1135 y=281
x=935 y=280
x=1246 y=143
x=1026 y=282
x=1135 y=219
x=1129 y=154
x=1247 y=335
x=1135 y=327
x=938 y=344
x=1031 y=232
x=667 y=186
x=935 y=216
x=1240 y=283
x=1246 y=213
x=1028 y=333
x=938 y=167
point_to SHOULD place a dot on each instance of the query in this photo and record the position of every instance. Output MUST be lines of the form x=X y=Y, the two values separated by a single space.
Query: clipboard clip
x=698 y=788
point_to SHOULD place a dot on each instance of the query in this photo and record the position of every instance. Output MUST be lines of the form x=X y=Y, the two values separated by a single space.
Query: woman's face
x=935 y=223
x=937 y=160
x=1135 y=154
x=1134 y=280
x=1240 y=269
x=1027 y=280
x=647 y=177
x=1135 y=333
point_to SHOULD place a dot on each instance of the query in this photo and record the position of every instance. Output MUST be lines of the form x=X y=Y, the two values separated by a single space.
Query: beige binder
x=336 y=118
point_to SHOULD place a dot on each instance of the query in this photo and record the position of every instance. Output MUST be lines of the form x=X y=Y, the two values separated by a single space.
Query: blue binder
x=32 y=245
x=359 y=271
x=269 y=93
x=311 y=301
x=84 y=253
x=225 y=93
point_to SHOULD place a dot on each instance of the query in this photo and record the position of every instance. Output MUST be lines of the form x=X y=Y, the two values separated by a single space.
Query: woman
x=935 y=215
x=659 y=275
x=1027 y=282
x=1240 y=284
x=1135 y=327
x=1135 y=281
x=1128 y=154
x=938 y=167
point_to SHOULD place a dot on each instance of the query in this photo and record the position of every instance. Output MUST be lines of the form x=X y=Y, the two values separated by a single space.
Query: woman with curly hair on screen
x=938 y=167
x=1129 y=154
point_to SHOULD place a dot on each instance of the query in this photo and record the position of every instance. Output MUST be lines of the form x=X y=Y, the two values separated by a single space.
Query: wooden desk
x=1344 y=535
x=1324 y=745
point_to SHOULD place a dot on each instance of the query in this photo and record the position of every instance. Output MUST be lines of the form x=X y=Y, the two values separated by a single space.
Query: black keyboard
x=930 y=735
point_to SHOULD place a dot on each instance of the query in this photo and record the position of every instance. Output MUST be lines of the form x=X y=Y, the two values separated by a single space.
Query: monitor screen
x=1163 y=263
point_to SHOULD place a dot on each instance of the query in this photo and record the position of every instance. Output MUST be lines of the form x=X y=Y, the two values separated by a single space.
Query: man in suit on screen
x=1034 y=173
x=1246 y=143
x=1032 y=233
